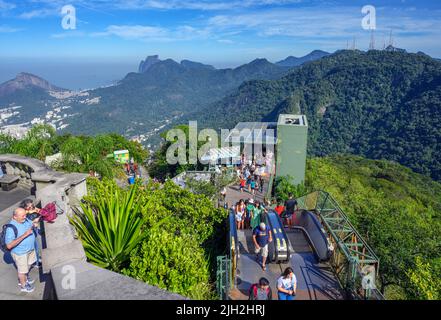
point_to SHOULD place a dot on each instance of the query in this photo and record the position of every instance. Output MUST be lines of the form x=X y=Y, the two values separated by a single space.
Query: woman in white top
x=287 y=285
x=240 y=214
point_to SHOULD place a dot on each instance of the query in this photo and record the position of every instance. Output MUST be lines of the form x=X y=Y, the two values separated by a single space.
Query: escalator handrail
x=319 y=226
x=278 y=227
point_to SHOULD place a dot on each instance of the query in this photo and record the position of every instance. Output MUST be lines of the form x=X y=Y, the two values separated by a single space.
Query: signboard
x=121 y=156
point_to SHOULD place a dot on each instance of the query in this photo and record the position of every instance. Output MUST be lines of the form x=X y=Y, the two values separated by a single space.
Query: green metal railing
x=227 y=265
x=223 y=277
x=353 y=261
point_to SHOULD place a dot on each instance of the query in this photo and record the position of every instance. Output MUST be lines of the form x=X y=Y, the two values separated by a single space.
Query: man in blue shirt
x=261 y=237
x=22 y=247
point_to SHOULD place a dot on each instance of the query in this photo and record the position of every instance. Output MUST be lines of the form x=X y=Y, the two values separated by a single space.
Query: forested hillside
x=398 y=212
x=378 y=104
x=142 y=102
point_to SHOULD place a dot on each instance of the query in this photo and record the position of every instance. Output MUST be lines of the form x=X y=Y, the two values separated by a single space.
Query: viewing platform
x=62 y=251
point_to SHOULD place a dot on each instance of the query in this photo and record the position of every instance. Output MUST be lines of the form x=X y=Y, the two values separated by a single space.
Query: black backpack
x=3 y=236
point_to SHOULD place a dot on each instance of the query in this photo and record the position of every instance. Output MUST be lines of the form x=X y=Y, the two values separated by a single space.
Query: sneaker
x=27 y=288
x=28 y=281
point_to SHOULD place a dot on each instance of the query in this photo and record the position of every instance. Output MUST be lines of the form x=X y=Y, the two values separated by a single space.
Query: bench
x=9 y=182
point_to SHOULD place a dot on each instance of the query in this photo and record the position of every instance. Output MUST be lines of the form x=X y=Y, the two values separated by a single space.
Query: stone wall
x=63 y=255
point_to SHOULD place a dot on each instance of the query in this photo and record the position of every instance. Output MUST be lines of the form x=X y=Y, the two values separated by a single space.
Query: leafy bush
x=109 y=224
x=79 y=153
x=175 y=263
x=425 y=280
x=120 y=231
x=284 y=186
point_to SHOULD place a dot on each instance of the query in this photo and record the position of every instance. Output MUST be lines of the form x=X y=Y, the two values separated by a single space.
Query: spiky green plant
x=110 y=225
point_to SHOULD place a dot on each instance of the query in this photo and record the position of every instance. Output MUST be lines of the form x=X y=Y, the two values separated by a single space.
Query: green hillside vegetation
x=398 y=212
x=379 y=104
x=160 y=234
x=33 y=102
x=79 y=153
x=144 y=101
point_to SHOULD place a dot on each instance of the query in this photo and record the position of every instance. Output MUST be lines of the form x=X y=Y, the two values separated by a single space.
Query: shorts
x=23 y=262
x=239 y=217
x=288 y=215
x=262 y=250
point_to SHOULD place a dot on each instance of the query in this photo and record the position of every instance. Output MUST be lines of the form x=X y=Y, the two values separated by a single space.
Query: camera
x=33 y=216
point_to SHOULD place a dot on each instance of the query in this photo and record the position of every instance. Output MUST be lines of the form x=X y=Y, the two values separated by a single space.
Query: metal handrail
x=323 y=204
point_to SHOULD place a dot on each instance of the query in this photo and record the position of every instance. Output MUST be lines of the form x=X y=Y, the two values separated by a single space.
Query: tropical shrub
x=425 y=280
x=161 y=234
x=176 y=263
x=284 y=186
x=79 y=153
x=109 y=224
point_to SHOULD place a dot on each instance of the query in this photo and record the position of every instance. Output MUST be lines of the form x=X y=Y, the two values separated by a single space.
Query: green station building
x=287 y=138
x=292 y=138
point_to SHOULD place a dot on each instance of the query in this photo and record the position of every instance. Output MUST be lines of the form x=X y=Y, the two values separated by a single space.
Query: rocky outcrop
x=24 y=81
x=147 y=63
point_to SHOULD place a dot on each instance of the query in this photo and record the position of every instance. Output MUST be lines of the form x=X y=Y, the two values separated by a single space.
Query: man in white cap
x=261 y=237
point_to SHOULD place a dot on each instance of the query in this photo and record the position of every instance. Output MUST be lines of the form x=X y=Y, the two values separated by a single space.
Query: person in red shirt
x=242 y=183
x=279 y=208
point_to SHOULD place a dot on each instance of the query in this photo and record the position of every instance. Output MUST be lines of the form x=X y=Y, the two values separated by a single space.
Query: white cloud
x=40 y=13
x=134 y=32
x=153 y=33
x=318 y=22
x=6 y=5
x=206 y=5
x=225 y=41
x=6 y=29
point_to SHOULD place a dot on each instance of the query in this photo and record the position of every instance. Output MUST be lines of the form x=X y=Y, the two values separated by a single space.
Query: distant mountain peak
x=196 y=65
x=148 y=62
x=292 y=61
x=25 y=80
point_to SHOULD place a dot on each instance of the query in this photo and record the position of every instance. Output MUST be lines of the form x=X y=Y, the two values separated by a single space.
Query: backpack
x=253 y=292
x=48 y=213
x=3 y=236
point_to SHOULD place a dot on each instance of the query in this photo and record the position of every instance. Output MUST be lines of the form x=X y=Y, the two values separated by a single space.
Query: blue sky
x=220 y=32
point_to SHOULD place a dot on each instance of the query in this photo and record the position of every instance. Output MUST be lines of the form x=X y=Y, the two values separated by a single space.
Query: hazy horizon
x=116 y=35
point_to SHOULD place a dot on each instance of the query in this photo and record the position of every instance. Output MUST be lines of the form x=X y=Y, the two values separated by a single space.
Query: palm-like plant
x=110 y=225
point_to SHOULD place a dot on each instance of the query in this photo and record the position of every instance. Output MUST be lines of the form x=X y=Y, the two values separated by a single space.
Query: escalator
x=278 y=250
x=307 y=223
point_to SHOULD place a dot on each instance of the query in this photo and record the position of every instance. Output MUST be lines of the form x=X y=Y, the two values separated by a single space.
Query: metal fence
x=353 y=261
x=223 y=277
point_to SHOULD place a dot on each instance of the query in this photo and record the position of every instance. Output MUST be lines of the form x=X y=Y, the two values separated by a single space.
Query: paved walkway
x=9 y=289
x=234 y=194
x=9 y=198
x=316 y=281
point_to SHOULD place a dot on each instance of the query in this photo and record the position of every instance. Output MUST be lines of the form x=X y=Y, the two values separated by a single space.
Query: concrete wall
x=63 y=255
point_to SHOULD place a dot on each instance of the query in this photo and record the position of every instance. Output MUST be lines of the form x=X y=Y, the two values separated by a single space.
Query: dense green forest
x=142 y=102
x=79 y=153
x=378 y=104
x=398 y=212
